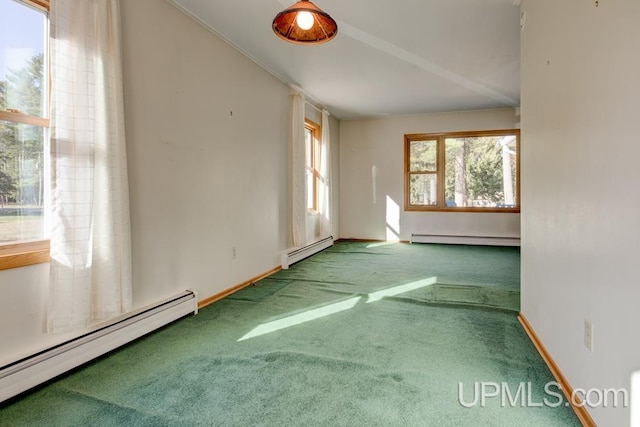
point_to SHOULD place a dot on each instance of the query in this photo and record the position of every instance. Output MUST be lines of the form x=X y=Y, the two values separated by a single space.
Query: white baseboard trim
x=465 y=240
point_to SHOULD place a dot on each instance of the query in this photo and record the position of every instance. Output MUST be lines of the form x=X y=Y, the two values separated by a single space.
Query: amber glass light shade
x=324 y=28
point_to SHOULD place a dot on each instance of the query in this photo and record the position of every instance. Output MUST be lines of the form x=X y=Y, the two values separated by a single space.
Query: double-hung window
x=312 y=162
x=463 y=171
x=24 y=124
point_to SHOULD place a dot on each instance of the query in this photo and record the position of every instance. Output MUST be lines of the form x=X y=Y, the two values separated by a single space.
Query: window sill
x=461 y=210
x=24 y=254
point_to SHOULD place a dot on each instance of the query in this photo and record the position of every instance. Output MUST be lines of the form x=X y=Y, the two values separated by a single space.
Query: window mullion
x=440 y=174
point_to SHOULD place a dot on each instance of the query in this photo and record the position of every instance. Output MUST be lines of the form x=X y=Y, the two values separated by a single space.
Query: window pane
x=481 y=171
x=308 y=147
x=308 y=150
x=22 y=53
x=423 y=189
x=310 y=194
x=21 y=182
x=423 y=156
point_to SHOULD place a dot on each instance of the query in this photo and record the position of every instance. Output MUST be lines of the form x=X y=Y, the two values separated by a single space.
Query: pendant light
x=304 y=23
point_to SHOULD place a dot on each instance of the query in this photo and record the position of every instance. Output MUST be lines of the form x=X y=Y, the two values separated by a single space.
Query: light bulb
x=304 y=20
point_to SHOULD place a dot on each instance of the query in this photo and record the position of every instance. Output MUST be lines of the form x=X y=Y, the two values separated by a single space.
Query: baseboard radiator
x=465 y=240
x=294 y=255
x=40 y=367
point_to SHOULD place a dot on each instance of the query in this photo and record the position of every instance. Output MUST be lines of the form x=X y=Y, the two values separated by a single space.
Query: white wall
x=380 y=143
x=580 y=151
x=207 y=136
x=202 y=181
x=334 y=124
x=22 y=306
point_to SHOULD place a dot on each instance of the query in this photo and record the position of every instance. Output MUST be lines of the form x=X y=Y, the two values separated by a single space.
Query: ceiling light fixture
x=304 y=23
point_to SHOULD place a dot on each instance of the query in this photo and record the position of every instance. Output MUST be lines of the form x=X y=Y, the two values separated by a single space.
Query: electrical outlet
x=233 y=252
x=588 y=335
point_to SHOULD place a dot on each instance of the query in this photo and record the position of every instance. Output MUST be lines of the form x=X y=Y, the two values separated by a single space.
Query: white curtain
x=324 y=189
x=299 y=191
x=90 y=275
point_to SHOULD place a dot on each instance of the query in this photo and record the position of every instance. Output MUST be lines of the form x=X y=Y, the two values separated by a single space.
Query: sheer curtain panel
x=299 y=198
x=324 y=189
x=90 y=277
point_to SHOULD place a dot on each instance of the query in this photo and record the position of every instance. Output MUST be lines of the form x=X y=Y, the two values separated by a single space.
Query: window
x=312 y=155
x=463 y=171
x=23 y=132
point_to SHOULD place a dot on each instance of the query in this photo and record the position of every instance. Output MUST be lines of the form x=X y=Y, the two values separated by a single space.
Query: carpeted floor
x=360 y=334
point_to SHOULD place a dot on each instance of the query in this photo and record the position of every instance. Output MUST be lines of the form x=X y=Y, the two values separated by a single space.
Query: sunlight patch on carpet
x=318 y=313
x=377 y=245
x=298 y=319
x=401 y=289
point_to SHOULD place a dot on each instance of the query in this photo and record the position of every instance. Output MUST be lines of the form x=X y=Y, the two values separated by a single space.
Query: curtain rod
x=314 y=107
x=321 y=110
x=306 y=98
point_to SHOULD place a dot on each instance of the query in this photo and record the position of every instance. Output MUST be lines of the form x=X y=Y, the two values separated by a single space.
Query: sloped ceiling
x=390 y=57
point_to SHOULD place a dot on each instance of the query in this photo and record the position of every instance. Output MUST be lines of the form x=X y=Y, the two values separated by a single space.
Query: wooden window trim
x=42 y=4
x=24 y=254
x=440 y=170
x=26 y=119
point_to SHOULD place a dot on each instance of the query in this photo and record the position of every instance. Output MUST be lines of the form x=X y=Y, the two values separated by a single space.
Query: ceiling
x=389 y=57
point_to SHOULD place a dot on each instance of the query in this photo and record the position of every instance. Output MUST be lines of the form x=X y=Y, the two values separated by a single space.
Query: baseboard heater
x=294 y=255
x=42 y=366
x=465 y=240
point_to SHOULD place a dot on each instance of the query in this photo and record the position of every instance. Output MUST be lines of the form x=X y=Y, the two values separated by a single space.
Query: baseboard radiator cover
x=24 y=374
x=298 y=254
x=465 y=240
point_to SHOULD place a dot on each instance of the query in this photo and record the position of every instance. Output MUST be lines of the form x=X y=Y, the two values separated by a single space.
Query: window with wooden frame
x=24 y=126
x=462 y=171
x=312 y=155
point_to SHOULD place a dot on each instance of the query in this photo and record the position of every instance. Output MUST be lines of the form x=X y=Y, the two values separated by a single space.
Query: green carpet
x=360 y=334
